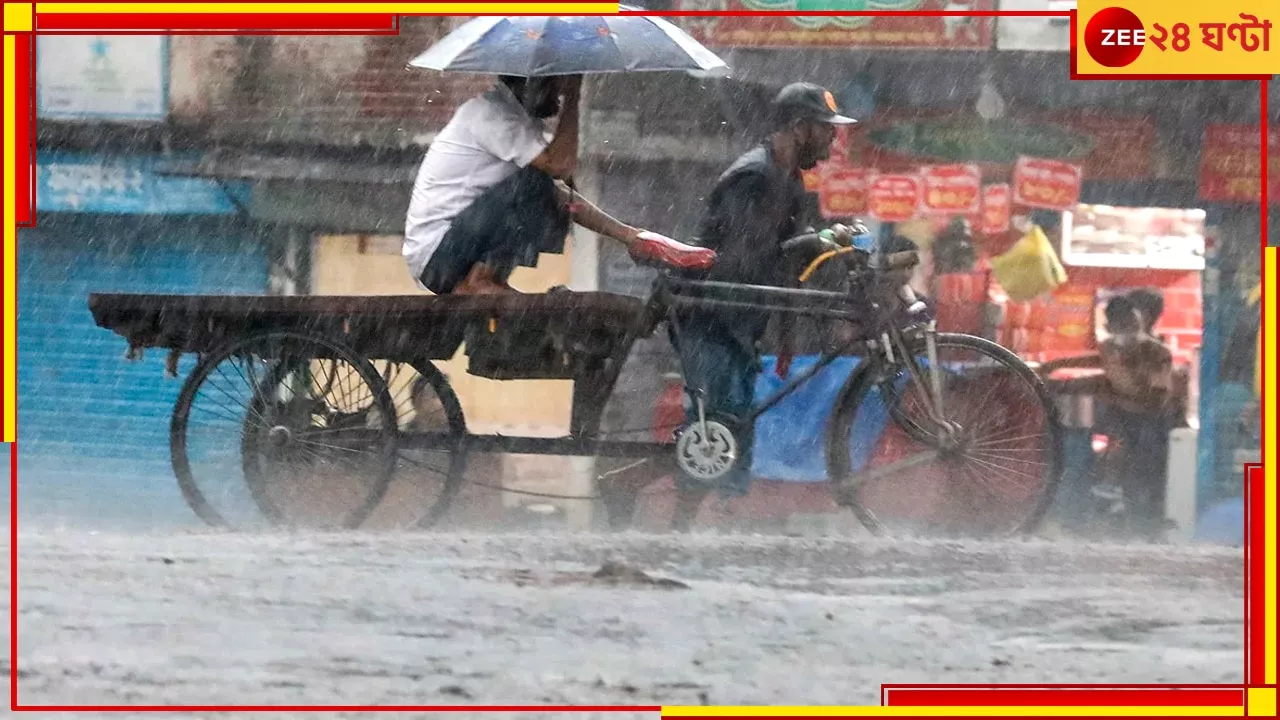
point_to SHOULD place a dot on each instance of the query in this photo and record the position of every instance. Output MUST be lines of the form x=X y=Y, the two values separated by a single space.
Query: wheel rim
x=284 y=429
x=426 y=481
x=989 y=472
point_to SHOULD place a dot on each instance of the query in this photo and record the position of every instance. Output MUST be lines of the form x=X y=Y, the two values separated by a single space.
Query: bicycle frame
x=668 y=293
x=671 y=294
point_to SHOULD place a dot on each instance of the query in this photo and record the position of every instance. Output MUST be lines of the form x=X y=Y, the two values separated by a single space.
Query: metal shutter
x=93 y=428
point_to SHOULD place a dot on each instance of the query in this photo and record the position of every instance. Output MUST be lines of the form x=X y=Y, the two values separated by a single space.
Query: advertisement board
x=1231 y=164
x=102 y=77
x=848 y=31
x=893 y=198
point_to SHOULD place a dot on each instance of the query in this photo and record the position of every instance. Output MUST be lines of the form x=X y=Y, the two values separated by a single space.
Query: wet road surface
x=207 y=618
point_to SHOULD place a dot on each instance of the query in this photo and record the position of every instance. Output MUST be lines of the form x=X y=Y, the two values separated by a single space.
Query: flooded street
x=206 y=618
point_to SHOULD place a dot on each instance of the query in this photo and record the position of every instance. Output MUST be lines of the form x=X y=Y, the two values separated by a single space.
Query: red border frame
x=196 y=23
x=1062 y=695
x=370 y=24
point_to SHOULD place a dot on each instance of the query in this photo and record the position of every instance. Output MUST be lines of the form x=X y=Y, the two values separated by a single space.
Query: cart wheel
x=305 y=424
x=432 y=454
x=991 y=471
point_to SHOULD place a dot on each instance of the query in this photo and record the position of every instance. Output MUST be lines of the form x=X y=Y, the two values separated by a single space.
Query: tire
x=457 y=462
x=271 y=428
x=849 y=488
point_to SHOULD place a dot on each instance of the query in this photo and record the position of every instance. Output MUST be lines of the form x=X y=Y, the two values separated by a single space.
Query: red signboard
x=1231 y=164
x=812 y=179
x=893 y=198
x=951 y=189
x=843 y=193
x=1048 y=184
x=848 y=31
x=994 y=218
x=1122 y=146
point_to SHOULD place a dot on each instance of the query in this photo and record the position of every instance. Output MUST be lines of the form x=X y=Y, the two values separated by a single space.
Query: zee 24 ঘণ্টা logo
x=1115 y=37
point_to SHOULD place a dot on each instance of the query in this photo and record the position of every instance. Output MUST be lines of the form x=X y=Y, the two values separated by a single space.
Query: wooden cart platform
x=559 y=335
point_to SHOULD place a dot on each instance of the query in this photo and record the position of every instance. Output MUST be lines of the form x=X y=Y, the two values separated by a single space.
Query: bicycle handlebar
x=892 y=262
x=800 y=241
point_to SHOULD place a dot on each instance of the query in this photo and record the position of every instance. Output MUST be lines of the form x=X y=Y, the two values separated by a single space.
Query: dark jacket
x=752 y=209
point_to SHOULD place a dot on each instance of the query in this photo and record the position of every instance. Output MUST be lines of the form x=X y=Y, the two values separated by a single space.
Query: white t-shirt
x=488 y=139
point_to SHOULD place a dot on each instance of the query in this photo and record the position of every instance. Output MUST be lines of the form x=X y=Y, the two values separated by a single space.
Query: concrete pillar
x=584 y=276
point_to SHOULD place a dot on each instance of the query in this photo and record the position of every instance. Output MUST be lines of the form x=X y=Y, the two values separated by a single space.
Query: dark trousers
x=1143 y=463
x=726 y=373
x=509 y=225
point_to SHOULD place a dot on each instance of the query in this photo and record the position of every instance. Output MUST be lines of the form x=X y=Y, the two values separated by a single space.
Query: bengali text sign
x=867 y=31
x=893 y=198
x=1231 y=164
x=996 y=207
x=951 y=189
x=843 y=193
x=1047 y=184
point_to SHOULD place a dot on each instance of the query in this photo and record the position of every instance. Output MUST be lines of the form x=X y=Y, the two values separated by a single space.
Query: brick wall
x=330 y=90
x=356 y=91
x=417 y=98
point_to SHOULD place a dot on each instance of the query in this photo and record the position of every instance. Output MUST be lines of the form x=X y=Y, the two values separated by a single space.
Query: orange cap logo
x=831 y=101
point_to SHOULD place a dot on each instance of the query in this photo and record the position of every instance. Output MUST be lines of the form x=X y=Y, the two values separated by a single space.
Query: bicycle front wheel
x=983 y=461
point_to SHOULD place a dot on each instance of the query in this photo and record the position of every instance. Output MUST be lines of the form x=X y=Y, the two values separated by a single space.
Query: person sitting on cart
x=494 y=191
x=756 y=205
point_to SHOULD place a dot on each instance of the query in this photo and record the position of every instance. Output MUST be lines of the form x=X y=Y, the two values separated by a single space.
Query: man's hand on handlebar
x=844 y=235
x=833 y=238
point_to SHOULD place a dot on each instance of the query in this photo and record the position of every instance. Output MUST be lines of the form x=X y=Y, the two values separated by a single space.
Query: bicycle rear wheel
x=986 y=464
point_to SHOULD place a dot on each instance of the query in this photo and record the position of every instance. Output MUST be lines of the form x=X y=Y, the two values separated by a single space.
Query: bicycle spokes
x=955 y=438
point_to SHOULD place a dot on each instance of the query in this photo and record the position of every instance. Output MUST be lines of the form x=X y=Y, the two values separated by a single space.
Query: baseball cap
x=807 y=101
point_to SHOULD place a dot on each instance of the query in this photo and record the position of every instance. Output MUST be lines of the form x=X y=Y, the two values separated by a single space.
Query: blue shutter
x=93 y=428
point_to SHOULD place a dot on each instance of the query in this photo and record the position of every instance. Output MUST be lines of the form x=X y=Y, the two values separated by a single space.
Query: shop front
x=93 y=428
x=1002 y=143
x=1061 y=186
x=1125 y=207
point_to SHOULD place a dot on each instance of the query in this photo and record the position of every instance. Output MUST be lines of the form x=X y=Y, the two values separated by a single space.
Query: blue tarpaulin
x=1222 y=523
x=790 y=442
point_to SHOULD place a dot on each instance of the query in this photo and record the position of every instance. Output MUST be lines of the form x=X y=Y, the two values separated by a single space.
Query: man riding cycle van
x=756 y=205
x=495 y=190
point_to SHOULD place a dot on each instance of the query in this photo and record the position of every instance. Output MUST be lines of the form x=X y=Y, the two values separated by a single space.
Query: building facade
x=284 y=164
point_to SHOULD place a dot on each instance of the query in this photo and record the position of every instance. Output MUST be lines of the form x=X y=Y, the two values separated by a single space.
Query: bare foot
x=481 y=281
x=483 y=287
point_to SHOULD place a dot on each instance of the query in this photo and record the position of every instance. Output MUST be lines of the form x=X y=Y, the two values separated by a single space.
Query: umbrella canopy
x=571 y=45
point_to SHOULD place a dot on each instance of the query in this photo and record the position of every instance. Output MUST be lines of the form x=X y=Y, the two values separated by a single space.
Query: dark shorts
x=509 y=225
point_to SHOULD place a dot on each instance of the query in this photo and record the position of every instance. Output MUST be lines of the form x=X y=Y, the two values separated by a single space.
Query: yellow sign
x=1177 y=37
